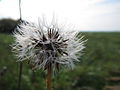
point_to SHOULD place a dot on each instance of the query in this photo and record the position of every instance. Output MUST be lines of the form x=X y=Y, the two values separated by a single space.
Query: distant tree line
x=8 y=25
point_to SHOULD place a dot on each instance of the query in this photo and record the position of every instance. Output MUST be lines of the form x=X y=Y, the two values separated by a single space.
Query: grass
x=103 y=49
x=101 y=56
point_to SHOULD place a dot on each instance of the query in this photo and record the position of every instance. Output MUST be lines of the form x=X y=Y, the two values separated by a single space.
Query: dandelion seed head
x=47 y=46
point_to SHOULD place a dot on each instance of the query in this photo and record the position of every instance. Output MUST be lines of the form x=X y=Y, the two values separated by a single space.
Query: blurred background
x=98 y=20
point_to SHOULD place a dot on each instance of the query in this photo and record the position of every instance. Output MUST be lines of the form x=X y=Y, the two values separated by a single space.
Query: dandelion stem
x=20 y=10
x=48 y=80
x=20 y=74
x=21 y=65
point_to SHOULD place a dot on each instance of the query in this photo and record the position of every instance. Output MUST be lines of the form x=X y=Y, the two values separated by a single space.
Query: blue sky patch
x=111 y=1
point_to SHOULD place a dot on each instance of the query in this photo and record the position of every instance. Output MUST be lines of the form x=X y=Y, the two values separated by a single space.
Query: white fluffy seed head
x=47 y=46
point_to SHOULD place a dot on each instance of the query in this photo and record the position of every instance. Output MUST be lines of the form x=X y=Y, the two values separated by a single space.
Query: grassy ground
x=101 y=58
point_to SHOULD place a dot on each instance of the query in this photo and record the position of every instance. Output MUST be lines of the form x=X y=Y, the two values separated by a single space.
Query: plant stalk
x=48 y=80
x=21 y=64
x=20 y=10
x=20 y=75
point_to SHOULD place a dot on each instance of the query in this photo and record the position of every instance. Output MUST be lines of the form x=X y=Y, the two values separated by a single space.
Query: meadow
x=99 y=68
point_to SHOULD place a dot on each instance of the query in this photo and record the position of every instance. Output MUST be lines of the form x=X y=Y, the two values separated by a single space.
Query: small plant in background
x=47 y=47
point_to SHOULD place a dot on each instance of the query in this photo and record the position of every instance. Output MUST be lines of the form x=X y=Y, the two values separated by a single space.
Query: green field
x=100 y=62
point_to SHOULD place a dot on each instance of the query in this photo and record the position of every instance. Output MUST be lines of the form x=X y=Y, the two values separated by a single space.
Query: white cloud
x=84 y=14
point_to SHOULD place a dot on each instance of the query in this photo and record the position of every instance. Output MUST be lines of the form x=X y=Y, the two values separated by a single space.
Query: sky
x=85 y=15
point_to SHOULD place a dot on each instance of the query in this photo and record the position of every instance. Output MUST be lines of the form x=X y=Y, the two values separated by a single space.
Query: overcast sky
x=83 y=14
